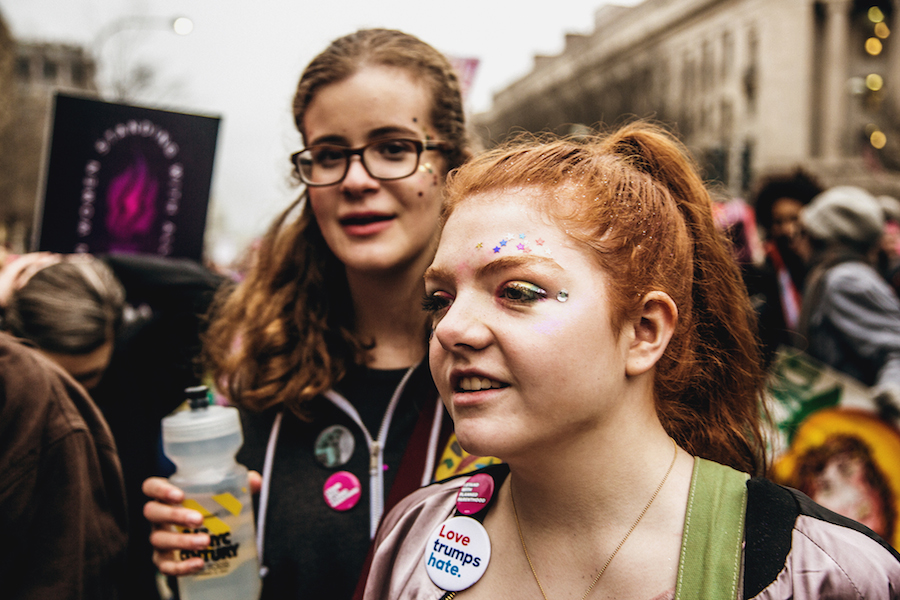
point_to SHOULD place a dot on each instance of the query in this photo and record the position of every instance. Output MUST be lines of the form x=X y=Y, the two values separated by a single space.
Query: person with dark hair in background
x=63 y=521
x=776 y=287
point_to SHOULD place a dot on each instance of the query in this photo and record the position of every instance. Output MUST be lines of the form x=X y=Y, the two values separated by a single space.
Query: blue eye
x=522 y=292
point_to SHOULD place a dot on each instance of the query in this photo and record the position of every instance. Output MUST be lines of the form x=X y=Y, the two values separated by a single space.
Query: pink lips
x=365 y=224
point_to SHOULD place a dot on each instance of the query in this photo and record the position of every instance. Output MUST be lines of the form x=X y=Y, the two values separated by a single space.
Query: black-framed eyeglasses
x=386 y=160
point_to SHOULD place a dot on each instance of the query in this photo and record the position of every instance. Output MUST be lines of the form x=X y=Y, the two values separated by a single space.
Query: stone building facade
x=30 y=74
x=752 y=86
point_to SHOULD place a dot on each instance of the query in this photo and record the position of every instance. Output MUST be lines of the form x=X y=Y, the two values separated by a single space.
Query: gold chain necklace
x=616 y=551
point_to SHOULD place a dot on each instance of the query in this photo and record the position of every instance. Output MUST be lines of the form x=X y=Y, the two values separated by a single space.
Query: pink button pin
x=474 y=494
x=342 y=491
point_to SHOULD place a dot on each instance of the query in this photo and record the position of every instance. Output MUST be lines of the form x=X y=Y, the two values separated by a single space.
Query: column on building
x=835 y=98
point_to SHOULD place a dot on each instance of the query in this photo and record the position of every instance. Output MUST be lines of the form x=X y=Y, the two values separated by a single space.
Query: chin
x=478 y=439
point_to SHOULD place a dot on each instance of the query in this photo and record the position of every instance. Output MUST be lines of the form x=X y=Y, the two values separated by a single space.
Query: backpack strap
x=711 y=546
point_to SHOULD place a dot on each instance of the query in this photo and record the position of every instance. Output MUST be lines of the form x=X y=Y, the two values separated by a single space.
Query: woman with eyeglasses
x=323 y=345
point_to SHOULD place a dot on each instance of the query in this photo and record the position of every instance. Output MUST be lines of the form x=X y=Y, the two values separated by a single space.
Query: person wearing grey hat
x=851 y=316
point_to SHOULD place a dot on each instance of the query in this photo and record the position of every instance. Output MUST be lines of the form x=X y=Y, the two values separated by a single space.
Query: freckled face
x=519 y=370
x=374 y=225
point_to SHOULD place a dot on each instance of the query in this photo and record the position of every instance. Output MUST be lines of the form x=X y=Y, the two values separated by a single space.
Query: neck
x=584 y=487
x=388 y=309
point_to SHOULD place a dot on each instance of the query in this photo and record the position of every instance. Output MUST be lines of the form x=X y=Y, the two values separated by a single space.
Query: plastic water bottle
x=202 y=442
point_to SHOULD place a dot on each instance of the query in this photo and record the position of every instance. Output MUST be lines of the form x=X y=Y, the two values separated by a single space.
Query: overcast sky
x=244 y=58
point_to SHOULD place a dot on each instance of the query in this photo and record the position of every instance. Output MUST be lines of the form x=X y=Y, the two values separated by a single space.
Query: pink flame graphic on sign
x=131 y=204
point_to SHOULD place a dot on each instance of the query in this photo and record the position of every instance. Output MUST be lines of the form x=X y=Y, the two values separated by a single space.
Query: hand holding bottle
x=165 y=513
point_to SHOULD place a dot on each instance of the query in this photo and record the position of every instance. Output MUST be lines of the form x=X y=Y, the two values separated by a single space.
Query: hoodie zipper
x=375 y=447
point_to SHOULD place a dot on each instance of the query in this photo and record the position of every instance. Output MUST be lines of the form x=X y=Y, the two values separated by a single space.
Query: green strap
x=710 y=564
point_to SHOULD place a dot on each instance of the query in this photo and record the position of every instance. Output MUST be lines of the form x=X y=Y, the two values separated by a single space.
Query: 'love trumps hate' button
x=457 y=553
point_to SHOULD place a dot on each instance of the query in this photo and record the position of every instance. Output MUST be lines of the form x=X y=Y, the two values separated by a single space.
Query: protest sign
x=124 y=178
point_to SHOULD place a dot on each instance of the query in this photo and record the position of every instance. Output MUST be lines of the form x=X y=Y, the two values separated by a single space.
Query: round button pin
x=342 y=491
x=457 y=554
x=334 y=446
x=474 y=494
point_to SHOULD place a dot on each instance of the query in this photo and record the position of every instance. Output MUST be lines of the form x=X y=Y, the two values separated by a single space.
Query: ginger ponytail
x=709 y=394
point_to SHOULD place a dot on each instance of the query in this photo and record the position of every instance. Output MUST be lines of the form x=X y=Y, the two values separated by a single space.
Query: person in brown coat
x=63 y=523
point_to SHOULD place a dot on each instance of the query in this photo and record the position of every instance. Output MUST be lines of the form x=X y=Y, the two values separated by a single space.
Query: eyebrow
x=375 y=134
x=500 y=264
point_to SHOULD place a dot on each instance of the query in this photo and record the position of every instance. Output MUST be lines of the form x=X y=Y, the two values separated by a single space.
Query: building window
x=706 y=66
x=727 y=54
x=79 y=76
x=751 y=71
x=23 y=68
x=50 y=70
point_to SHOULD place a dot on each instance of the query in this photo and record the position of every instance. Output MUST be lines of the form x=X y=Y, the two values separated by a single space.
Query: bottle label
x=229 y=523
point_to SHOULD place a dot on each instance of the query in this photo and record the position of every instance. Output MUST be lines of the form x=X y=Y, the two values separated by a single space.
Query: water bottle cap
x=201 y=424
x=197 y=396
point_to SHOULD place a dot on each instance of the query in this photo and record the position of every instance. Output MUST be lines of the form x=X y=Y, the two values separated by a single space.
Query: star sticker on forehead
x=496 y=249
x=502 y=242
x=479 y=245
x=539 y=242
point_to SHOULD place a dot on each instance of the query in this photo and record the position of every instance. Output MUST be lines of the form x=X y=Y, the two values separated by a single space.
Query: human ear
x=653 y=328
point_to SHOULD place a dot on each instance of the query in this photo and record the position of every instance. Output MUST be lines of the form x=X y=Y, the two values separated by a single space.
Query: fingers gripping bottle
x=202 y=442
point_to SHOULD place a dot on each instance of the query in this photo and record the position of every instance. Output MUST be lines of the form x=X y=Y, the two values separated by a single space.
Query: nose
x=463 y=328
x=357 y=180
